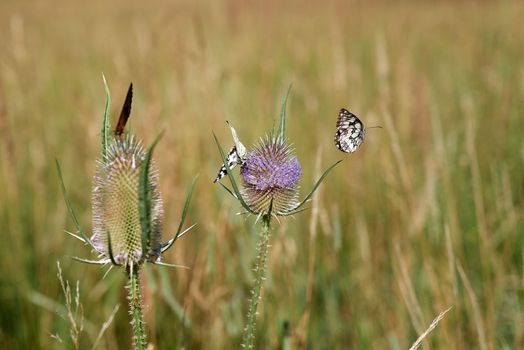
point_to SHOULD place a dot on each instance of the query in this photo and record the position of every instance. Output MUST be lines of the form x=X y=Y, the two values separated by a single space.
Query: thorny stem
x=260 y=273
x=135 y=308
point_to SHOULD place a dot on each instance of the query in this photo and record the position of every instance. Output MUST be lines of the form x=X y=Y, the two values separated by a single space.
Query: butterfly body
x=350 y=131
x=233 y=159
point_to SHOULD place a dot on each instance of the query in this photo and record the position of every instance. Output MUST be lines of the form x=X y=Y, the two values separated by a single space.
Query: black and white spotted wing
x=350 y=132
x=236 y=156
x=232 y=160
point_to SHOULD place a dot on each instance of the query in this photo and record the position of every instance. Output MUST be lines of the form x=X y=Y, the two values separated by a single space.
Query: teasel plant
x=127 y=210
x=268 y=189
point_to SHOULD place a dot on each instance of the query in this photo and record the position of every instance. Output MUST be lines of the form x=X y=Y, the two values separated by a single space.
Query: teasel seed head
x=115 y=204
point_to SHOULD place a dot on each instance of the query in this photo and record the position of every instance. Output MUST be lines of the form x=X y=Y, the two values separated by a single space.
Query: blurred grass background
x=427 y=214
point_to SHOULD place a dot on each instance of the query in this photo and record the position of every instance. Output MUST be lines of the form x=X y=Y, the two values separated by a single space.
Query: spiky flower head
x=271 y=173
x=116 y=216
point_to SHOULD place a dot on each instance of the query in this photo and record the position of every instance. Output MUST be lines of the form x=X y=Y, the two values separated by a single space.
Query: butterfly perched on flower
x=350 y=131
x=236 y=156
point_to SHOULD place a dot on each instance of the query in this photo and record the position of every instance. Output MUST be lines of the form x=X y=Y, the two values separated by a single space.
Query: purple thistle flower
x=271 y=173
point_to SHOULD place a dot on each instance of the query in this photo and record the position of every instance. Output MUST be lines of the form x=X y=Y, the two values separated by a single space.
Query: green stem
x=135 y=309
x=260 y=273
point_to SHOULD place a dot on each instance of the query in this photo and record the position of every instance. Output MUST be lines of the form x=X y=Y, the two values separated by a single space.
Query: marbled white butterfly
x=350 y=132
x=237 y=155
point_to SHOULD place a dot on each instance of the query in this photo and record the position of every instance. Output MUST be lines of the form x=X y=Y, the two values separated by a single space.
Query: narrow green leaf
x=296 y=209
x=293 y=212
x=282 y=124
x=70 y=207
x=106 y=123
x=227 y=189
x=183 y=217
x=186 y=206
x=169 y=243
x=231 y=177
x=144 y=199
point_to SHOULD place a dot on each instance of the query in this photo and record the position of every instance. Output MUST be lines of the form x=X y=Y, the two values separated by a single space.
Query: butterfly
x=236 y=156
x=350 y=131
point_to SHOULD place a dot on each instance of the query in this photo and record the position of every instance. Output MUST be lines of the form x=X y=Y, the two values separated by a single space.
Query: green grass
x=427 y=214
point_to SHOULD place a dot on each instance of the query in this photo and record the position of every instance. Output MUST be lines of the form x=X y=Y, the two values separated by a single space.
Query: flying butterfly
x=350 y=131
x=236 y=156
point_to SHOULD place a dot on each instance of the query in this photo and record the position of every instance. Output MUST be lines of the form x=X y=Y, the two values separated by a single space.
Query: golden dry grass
x=428 y=214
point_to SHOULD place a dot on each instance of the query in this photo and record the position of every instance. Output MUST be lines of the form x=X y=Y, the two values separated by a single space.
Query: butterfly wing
x=126 y=111
x=237 y=155
x=232 y=160
x=350 y=132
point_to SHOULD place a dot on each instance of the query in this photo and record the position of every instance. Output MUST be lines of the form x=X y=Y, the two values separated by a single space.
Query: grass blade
x=431 y=327
x=282 y=124
x=166 y=292
x=105 y=326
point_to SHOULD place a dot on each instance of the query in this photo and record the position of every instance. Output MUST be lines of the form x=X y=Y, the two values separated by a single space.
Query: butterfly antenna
x=126 y=111
x=374 y=127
